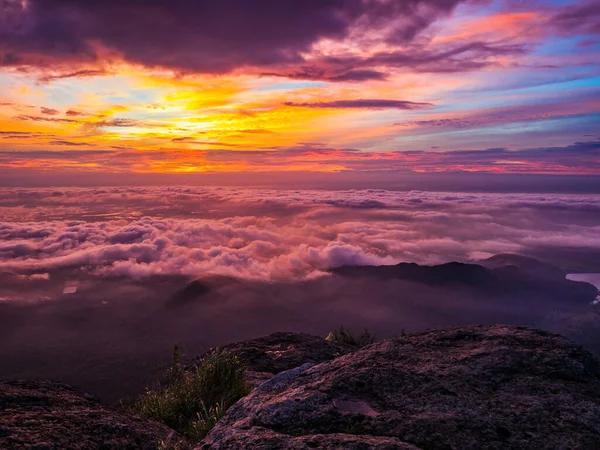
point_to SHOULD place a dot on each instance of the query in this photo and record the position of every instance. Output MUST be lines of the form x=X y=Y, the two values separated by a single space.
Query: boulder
x=269 y=355
x=493 y=387
x=47 y=416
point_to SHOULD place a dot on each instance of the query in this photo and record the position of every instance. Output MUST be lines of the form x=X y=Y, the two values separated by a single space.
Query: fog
x=264 y=258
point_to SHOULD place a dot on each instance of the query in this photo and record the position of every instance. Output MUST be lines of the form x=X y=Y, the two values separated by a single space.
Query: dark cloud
x=217 y=37
x=45 y=119
x=72 y=113
x=319 y=73
x=16 y=133
x=24 y=135
x=359 y=75
x=363 y=104
x=49 y=111
x=25 y=155
x=581 y=18
x=191 y=140
x=116 y=123
x=77 y=74
x=444 y=123
x=185 y=138
x=456 y=58
x=255 y=131
x=70 y=143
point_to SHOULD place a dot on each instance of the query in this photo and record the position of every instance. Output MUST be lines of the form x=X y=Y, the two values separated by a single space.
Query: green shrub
x=205 y=420
x=192 y=401
x=344 y=336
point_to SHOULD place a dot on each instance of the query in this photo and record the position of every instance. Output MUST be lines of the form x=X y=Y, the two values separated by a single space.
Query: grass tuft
x=345 y=336
x=192 y=401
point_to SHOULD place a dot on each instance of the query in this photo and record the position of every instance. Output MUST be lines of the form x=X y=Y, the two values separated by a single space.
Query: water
x=592 y=278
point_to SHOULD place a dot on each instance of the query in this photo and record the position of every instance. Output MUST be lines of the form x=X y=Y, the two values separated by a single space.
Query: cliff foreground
x=459 y=388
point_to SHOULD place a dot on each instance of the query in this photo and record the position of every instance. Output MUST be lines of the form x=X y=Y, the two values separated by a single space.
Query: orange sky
x=481 y=77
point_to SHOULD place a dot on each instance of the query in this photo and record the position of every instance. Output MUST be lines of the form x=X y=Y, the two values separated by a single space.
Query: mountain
x=200 y=287
x=529 y=266
x=501 y=275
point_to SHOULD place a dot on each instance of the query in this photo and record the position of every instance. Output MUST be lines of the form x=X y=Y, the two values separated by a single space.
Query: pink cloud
x=296 y=234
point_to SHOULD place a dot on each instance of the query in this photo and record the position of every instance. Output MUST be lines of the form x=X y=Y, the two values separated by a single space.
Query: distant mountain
x=450 y=273
x=200 y=287
x=504 y=274
x=525 y=264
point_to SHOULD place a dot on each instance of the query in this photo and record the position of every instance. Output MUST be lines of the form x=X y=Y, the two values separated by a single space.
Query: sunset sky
x=150 y=86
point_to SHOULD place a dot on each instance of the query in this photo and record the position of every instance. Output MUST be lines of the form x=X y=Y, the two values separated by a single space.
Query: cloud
x=359 y=75
x=70 y=143
x=454 y=57
x=49 y=111
x=579 y=158
x=116 y=123
x=276 y=234
x=185 y=138
x=363 y=104
x=271 y=38
x=580 y=18
x=341 y=75
x=77 y=74
x=255 y=131
x=484 y=117
x=21 y=134
x=72 y=113
x=45 y=119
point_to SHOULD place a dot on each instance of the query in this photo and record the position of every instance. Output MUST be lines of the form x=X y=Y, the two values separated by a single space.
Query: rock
x=283 y=351
x=494 y=387
x=52 y=416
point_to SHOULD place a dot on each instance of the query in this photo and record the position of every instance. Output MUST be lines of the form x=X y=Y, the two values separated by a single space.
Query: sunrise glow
x=428 y=89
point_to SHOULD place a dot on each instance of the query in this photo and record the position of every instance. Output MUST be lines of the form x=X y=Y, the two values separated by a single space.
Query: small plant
x=345 y=336
x=171 y=443
x=206 y=419
x=181 y=401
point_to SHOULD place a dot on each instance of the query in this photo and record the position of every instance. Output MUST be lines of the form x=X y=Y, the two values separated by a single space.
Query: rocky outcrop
x=269 y=355
x=495 y=387
x=48 y=416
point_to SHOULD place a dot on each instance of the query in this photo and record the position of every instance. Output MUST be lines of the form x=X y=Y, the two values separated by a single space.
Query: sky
x=373 y=86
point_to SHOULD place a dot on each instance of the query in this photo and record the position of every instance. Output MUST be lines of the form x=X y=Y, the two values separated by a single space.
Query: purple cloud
x=116 y=123
x=582 y=18
x=45 y=119
x=77 y=74
x=363 y=104
x=49 y=111
x=268 y=234
x=70 y=143
x=360 y=75
x=210 y=38
x=72 y=113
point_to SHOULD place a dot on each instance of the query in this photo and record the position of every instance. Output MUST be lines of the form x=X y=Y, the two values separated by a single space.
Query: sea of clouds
x=276 y=234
